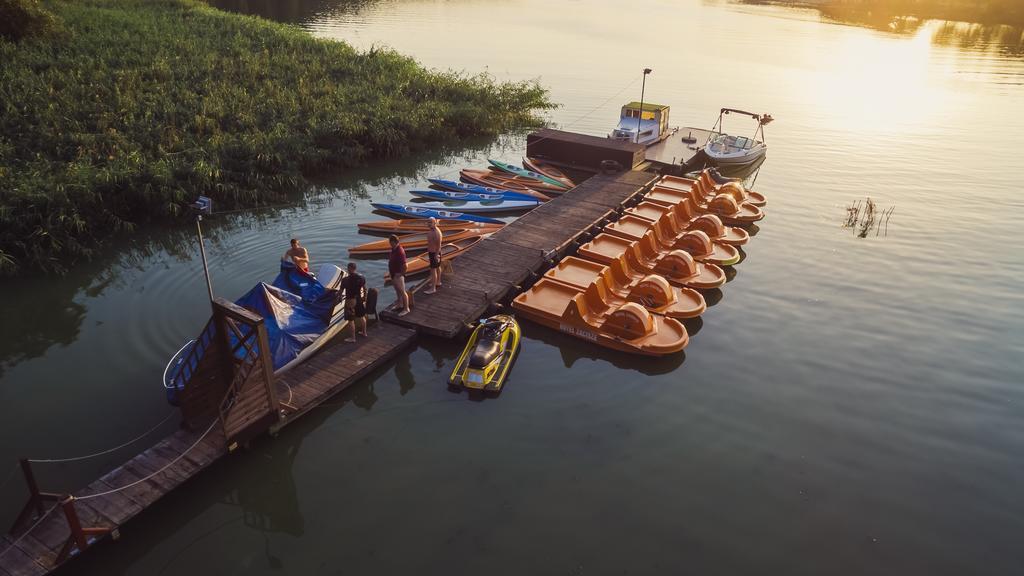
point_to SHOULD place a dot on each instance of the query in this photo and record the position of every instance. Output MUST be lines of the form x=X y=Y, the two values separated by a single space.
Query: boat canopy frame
x=761 y=120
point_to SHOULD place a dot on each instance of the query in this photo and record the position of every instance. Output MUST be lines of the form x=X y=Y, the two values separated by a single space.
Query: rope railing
x=149 y=476
x=107 y=451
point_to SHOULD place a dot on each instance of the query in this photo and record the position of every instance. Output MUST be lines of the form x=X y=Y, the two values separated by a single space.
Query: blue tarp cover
x=296 y=309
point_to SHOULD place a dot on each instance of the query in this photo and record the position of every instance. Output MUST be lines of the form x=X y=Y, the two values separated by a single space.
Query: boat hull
x=431 y=212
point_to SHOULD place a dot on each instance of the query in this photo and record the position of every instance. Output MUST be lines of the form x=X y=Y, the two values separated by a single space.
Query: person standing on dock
x=434 y=254
x=297 y=255
x=354 y=285
x=396 y=268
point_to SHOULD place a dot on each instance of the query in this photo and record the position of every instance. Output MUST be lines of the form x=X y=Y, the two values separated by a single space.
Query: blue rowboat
x=474 y=207
x=478 y=189
x=520 y=171
x=449 y=196
x=424 y=211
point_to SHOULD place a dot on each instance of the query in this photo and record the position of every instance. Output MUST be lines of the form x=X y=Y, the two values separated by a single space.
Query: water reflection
x=573 y=349
x=291 y=11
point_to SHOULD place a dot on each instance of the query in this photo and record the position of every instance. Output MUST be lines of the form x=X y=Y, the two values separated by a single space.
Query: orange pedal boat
x=629 y=328
x=710 y=188
x=724 y=205
x=684 y=218
x=696 y=242
x=413 y=225
x=415 y=242
x=630 y=260
x=651 y=291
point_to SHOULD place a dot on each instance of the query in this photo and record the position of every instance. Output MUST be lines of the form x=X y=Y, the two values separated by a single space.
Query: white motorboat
x=644 y=124
x=733 y=151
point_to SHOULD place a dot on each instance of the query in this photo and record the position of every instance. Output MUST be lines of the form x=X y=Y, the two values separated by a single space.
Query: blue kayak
x=449 y=196
x=418 y=212
x=474 y=188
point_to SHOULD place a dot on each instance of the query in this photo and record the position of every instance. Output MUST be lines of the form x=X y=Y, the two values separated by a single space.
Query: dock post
x=35 y=497
x=79 y=537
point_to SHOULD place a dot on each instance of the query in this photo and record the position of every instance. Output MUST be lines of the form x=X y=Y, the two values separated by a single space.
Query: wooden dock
x=492 y=271
x=70 y=523
x=229 y=393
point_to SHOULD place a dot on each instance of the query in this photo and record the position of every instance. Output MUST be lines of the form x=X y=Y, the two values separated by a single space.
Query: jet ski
x=488 y=356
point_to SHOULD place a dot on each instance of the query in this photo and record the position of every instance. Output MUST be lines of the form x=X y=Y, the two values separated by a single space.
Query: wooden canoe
x=415 y=242
x=499 y=179
x=420 y=264
x=548 y=170
x=413 y=225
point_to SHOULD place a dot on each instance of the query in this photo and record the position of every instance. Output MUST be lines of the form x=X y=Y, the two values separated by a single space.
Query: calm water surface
x=850 y=406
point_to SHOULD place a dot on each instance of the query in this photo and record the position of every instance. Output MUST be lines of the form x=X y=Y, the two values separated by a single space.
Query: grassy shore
x=126 y=110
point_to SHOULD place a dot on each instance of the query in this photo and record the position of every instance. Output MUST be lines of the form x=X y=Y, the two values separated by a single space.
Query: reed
x=138 y=106
x=865 y=217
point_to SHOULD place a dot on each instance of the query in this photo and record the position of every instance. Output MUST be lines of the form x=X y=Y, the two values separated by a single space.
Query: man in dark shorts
x=434 y=254
x=354 y=286
x=396 y=268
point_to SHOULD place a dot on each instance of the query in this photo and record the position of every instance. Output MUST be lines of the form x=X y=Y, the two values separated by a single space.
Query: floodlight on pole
x=203 y=205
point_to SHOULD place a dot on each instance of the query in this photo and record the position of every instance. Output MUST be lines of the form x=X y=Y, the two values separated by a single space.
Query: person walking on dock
x=354 y=286
x=434 y=254
x=396 y=267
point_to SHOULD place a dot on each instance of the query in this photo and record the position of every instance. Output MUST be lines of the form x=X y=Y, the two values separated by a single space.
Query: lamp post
x=203 y=206
x=643 y=86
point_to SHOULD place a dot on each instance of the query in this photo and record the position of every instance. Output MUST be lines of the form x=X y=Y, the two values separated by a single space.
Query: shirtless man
x=434 y=254
x=297 y=255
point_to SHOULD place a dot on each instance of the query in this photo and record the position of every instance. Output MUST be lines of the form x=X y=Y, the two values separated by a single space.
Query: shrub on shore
x=141 y=105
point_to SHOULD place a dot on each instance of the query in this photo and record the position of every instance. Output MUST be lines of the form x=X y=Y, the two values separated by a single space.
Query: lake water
x=850 y=406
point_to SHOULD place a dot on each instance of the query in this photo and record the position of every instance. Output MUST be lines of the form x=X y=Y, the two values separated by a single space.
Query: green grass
x=135 y=107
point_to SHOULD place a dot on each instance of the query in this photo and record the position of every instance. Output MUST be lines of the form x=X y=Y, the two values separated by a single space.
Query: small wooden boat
x=416 y=242
x=629 y=328
x=507 y=181
x=409 y=226
x=450 y=196
x=538 y=165
x=440 y=212
x=485 y=189
x=421 y=263
x=651 y=291
x=520 y=171
x=490 y=206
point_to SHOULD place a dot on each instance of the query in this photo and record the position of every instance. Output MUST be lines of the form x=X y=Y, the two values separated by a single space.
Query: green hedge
x=141 y=105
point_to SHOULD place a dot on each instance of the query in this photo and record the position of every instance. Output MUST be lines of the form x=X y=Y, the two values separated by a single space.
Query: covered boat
x=301 y=313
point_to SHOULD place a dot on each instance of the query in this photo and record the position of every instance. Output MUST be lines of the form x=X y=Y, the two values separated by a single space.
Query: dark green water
x=850 y=406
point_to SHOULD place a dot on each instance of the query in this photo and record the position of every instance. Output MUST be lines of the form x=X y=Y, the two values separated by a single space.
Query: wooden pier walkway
x=70 y=523
x=229 y=393
x=490 y=272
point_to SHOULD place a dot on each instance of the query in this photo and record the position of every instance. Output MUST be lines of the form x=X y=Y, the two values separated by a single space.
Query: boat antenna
x=640 y=116
x=203 y=205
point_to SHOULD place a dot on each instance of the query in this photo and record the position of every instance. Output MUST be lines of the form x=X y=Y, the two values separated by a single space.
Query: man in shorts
x=396 y=268
x=434 y=254
x=297 y=255
x=354 y=286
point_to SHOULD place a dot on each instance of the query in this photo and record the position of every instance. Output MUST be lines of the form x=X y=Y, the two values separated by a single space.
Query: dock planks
x=150 y=475
x=494 y=269
x=489 y=273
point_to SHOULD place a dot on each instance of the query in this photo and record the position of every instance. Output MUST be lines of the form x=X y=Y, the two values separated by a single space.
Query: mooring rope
x=109 y=450
x=29 y=531
x=165 y=467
